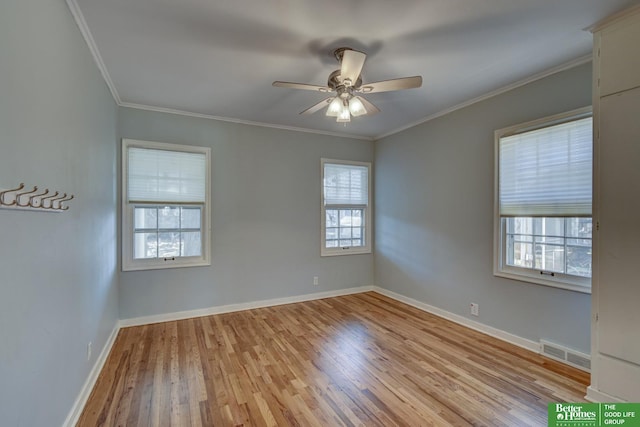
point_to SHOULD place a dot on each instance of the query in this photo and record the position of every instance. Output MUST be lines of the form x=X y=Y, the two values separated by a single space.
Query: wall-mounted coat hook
x=35 y=201
x=18 y=197
x=44 y=201
x=55 y=203
x=66 y=199
x=43 y=205
x=3 y=202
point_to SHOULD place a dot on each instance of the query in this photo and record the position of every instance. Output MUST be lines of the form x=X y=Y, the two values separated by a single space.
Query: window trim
x=500 y=269
x=129 y=263
x=367 y=248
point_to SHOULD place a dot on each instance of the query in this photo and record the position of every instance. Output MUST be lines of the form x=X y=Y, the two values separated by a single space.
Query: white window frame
x=500 y=268
x=366 y=249
x=129 y=263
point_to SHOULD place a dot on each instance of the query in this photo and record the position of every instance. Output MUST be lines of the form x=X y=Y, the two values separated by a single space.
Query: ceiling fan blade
x=319 y=106
x=371 y=109
x=302 y=86
x=352 y=63
x=394 y=84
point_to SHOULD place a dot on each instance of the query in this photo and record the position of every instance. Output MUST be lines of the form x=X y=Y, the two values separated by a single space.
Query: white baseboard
x=180 y=315
x=461 y=320
x=592 y=394
x=81 y=400
x=597 y=396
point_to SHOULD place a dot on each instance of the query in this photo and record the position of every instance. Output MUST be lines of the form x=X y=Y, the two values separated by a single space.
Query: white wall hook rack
x=34 y=199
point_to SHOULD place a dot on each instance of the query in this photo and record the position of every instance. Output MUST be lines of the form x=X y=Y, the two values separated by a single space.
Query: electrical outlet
x=89 y=351
x=474 y=309
x=315 y=280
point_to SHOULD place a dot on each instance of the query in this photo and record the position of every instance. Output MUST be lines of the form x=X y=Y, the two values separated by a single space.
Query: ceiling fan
x=347 y=85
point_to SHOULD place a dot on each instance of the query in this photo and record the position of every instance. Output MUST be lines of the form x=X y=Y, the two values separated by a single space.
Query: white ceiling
x=219 y=57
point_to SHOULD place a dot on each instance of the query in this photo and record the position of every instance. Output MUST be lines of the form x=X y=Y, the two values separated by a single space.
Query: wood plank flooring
x=361 y=359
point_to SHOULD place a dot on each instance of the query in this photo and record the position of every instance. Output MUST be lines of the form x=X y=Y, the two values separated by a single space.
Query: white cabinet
x=619 y=57
x=616 y=280
x=619 y=236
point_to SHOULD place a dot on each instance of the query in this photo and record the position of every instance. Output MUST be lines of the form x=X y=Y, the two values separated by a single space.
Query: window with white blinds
x=166 y=176
x=345 y=212
x=165 y=205
x=547 y=172
x=543 y=225
x=346 y=185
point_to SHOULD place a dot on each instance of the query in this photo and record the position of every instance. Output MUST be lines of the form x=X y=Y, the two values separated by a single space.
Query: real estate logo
x=579 y=415
x=594 y=414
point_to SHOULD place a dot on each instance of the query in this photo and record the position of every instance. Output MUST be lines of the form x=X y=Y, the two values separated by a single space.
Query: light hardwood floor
x=361 y=359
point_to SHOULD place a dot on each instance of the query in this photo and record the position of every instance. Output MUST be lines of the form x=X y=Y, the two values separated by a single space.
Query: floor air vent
x=566 y=355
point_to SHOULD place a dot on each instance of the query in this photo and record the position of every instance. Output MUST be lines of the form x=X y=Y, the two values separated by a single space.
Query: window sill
x=340 y=252
x=161 y=265
x=532 y=278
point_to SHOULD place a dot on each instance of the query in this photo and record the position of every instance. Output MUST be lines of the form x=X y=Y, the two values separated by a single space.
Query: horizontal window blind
x=166 y=176
x=547 y=172
x=345 y=185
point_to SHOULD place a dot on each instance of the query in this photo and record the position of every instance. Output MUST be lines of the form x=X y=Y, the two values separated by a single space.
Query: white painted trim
x=241 y=121
x=93 y=48
x=88 y=37
x=368 y=213
x=81 y=400
x=597 y=396
x=592 y=394
x=614 y=19
x=129 y=263
x=562 y=67
x=592 y=391
x=461 y=320
x=526 y=275
x=180 y=315
x=494 y=332
x=539 y=76
x=544 y=122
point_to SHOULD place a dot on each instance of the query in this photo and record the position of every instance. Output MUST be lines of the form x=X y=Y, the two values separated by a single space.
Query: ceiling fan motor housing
x=341 y=86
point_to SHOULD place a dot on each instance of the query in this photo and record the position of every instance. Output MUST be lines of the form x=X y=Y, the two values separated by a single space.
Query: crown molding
x=562 y=67
x=93 y=48
x=240 y=121
x=86 y=33
x=613 y=19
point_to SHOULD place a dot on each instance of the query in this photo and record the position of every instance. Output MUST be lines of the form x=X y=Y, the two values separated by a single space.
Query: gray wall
x=265 y=217
x=434 y=215
x=58 y=286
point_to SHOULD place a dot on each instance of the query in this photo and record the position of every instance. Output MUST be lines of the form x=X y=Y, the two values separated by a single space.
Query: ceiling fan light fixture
x=345 y=115
x=335 y=107
x=356 y=107
x=345 y=83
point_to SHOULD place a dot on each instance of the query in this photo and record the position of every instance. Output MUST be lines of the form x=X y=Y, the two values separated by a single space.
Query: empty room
x=338 y=213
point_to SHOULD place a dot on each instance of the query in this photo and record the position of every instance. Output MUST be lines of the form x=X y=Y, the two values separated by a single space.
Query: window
x=165 y=207
x=346 y=217
x=543 y=229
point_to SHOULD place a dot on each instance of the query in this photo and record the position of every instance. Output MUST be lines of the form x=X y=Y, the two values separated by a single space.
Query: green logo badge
x=594 y=414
